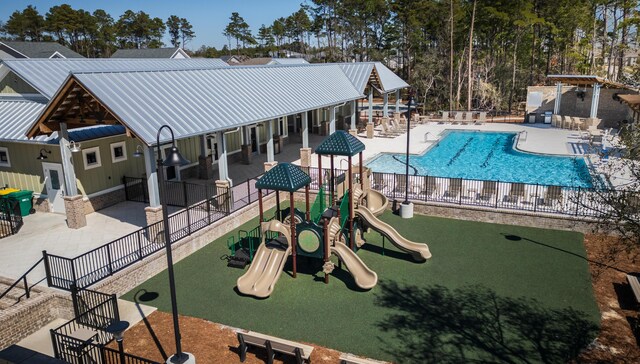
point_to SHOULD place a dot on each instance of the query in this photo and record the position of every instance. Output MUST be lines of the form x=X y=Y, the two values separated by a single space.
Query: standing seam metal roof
x=358 y=73
x=194 y=102
x=47 y=75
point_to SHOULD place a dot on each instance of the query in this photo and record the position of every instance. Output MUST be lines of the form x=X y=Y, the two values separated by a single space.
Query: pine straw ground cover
x=491 y=293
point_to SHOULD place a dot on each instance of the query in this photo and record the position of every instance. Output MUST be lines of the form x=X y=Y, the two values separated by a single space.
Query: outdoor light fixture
x=174 y=159
x=139 y=152
x=406 y=208
x=74 y=147
x=42 y=155
x=117 y=329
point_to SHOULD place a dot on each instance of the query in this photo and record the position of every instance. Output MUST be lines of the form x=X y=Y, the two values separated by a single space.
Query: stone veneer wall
x=130 y=277
x=25 y=318
x=105 y=200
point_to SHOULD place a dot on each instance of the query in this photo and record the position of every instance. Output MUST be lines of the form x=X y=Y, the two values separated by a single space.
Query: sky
x=207 y=17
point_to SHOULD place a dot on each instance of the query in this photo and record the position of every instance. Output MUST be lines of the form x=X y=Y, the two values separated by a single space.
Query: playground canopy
x=284 y=177
x=340 y=143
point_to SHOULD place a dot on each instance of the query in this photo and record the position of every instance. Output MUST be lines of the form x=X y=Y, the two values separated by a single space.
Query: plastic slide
x=267 y=264
x=420 y=252
x=376 y=202
x=364 y=277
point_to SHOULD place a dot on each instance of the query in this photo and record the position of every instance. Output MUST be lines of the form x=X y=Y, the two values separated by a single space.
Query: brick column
x=225 y=199
x=353 y=132
x=369 y=130
x=205 y=169
x=246 y=154
x=153 y=214
x=269 y=165
x=74 y=206
x=305 y=157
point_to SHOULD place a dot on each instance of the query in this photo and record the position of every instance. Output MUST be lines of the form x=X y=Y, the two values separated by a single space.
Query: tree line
x=96 y=34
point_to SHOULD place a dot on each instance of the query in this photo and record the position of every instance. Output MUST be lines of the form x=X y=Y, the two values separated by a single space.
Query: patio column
x=385 y=105
x=398 y=100
x=270 y=153
x=370 y=104
x=153 y=212
x=595 y=100
x=556 y=106
x=205 y=169
x=332 y=122
x=354 y=108
x=223 y=168
x=245 y=147
x=73 y=202
x=305 y=151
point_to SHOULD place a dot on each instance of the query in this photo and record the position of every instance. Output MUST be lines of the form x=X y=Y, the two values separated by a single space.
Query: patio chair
x=379 y=183
x=576 y=123
x=386 y=130
x=468 y=118
x=489 y=190
x=553 y=196
x=556 y=120
x=566 y=122
x=400 y=183
x=453 y=189
x=458 y=118
x=516 y=194
x=426 y=188
x=444 y=118
x=482 y=118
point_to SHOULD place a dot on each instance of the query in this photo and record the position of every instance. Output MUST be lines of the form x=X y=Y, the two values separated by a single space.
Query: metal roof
x=17 y=115
x=146 y=53
x=194 y=102
x=46 y=75
x=40 y=49
x=284 y=177
x=289 y=61
x=358 y=73
x=389 y=80
x=340 y=143
x=588 y=80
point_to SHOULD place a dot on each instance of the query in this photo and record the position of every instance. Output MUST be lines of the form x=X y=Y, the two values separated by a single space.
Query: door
x=254 y=139
x=54 y=182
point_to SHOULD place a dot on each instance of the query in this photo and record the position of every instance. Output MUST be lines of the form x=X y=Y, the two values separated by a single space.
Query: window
x=91 y=158
x=4 y=157
x=118 y=152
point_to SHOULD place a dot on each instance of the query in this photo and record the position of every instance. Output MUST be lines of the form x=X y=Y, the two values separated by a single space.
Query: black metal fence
x=181 y=194
x=10 y=217
x=102 y=262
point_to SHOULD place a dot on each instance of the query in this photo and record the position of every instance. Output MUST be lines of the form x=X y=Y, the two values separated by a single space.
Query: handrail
x=24 y=278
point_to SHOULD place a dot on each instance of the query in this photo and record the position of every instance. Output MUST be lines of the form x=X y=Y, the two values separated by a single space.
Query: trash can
x=5 y=192
x=547 y=117
x=532 y=118
x=25 y=199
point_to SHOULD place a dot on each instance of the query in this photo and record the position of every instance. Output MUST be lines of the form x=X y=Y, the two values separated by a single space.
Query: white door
x=54 y=181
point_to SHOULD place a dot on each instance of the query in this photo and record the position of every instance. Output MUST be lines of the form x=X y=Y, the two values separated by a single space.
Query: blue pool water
x=488 y=156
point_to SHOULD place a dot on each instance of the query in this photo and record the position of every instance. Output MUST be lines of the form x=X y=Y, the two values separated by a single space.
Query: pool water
x=488 y=156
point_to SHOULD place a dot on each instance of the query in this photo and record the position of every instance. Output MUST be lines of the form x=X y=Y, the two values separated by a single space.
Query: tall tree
x=238 y=29
x=139 y=30
x=186 y=31
x=26 y=25
x=173 y=28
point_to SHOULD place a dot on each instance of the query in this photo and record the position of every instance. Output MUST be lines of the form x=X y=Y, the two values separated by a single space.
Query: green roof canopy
x=284 y=177
x=340 y=143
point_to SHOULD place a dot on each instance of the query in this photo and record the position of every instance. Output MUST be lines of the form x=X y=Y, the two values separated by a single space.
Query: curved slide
x=364 y=277
x=376 y=202
x=420 y=252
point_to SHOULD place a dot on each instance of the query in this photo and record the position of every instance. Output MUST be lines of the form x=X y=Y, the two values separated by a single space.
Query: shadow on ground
x=474 y=324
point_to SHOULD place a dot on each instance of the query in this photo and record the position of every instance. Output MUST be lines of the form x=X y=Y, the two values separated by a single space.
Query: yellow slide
x=420 y=252
x=364 y=277
x=267 y=264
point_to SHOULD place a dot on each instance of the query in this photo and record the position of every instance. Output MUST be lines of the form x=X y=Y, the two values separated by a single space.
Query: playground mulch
x=491 y=293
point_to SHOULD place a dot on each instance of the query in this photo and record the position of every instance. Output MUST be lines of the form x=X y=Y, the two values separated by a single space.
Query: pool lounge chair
x=566 y=122
x=516 y=194
x=453 y=189
x=556 y=120
x=553 y=196
x=482 y=118
x=489 y=191
x=387 y=131
x=458 y=118
x=444 y=118
x=400 y=184
x=468 y=118
x=427 y=187
x=379 y=183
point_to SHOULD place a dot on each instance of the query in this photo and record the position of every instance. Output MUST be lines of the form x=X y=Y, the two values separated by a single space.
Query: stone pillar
x=74 y=207
x=305 y=158
x=246 y=153
x=223 y=191
x=369 y=130
x=205 y=167
x=153 y=214
x=269 y=165
x=353 y=132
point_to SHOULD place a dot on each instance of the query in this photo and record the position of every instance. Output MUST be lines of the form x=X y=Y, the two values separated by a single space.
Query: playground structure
x=335 y=226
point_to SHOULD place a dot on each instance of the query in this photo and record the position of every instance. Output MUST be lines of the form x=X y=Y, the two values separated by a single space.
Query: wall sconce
x=42 y=155
x=139 y=151
x=74 y=147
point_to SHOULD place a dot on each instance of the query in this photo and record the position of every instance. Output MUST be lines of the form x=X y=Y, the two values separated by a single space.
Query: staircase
x=16 y=295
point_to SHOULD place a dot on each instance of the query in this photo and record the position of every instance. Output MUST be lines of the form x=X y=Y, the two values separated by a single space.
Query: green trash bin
x=25 y=199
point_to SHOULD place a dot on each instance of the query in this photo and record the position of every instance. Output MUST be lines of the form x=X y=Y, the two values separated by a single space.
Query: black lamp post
x=174 y=159
x=406 y=182
x=117 y=329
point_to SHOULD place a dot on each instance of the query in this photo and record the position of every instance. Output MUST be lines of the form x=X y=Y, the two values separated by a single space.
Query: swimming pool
x=488 y=156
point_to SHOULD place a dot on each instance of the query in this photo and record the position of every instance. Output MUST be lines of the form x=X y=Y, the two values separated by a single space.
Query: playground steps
x=240 y=260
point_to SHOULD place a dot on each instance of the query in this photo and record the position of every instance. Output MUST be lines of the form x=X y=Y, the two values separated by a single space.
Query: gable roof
x=289 y=61
x=46 y=75
x=148 y=53
x=39 y=49
x=362 y=72
x=200 y=101
x=267 y=61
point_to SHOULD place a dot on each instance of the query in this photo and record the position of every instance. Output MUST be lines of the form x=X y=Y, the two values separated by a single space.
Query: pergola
x=633 y=101
x=585 y=81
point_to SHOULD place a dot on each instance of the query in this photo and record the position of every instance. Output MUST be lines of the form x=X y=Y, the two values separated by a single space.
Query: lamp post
x=117 y=329
x=174 y=159
x=406 y=208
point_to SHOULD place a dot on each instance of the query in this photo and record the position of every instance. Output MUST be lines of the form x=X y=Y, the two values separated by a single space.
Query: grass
x=491 y=292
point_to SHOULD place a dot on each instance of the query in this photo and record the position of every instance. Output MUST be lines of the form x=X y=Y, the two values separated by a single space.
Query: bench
x=352 y=359
x=635 y=286
x=272 y=344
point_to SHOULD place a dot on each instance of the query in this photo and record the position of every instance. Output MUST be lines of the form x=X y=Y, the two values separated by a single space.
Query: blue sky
x=207 y=17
